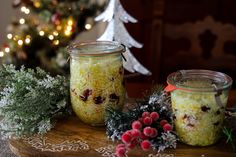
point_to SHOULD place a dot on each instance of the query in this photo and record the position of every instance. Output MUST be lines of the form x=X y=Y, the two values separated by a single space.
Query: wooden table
x=72 y=138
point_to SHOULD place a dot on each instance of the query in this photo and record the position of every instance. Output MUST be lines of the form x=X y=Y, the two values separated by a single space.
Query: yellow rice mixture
x=95 y=83
x=198 y=118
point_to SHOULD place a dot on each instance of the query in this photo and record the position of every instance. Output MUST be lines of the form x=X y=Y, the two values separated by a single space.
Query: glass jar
x=199 y=98
x=96 y=80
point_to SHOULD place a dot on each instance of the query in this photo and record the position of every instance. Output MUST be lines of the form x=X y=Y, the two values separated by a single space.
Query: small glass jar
x=199 y=98
x=96 y=80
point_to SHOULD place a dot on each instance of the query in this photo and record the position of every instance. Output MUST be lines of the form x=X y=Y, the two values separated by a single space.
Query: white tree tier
x=116 y=16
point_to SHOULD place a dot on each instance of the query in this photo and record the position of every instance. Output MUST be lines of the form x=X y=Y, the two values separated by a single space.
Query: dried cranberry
x=113 y=97
x=190 y=125
x=218 y=112
x=216 y=123
x=189 y=120
x=86 y=94
x=121 y=70
x=98 y=100
x=185 y=116
x=205 y=108
x=73 y=91
x=112 y=79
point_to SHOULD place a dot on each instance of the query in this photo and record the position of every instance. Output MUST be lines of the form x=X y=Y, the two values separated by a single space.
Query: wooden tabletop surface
x=72 y=138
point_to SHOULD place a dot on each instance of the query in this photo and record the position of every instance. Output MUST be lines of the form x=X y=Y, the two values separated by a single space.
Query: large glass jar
x=96 y=80
x=199 y=98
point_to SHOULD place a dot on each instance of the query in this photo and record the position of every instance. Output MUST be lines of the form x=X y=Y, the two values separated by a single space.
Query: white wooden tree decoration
x=116 y=16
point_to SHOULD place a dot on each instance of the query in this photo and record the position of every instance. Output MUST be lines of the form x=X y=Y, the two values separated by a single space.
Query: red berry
x=163 y=122
x=147 y=121
x=167 y=127
x=126 y=137
x=147 y=131
x=140 y=120
x=120 y=152
x=136 y=125
x=132 y=144
x=154 y=132
x=145 y=145
x=120 y=145
x=145 y=114
x=129 y=132
x=135 y=133
x=155 y=116
x=143 y=137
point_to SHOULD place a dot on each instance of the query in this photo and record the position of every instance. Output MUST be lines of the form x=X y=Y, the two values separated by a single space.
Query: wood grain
x=72 y=130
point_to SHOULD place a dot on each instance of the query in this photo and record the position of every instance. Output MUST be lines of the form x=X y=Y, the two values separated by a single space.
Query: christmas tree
x=40 y=36
x=116 y=16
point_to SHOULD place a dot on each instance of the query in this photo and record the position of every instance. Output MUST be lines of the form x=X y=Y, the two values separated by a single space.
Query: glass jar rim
x=95 y=48
x=219 y=80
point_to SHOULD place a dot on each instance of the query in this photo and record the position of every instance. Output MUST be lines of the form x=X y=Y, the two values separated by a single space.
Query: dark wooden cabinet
x=184 y=34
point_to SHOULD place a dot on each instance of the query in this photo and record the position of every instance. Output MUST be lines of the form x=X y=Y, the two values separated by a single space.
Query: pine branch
x=31 y=101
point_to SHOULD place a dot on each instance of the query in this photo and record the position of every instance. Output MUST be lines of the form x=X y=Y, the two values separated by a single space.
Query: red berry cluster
x=141 y=133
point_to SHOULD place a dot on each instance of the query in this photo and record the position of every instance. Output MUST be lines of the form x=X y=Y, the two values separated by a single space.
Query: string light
x=27 y=11
x=59 y=27
x=51 y=37
x=28 y=39
x=67 y=33
x=69 y=28
x=16 y=37
x=70 y=22
x=9 y=36
x=37 y=4
x=41 y=33
x=7 y=49
x=22 y=21
x=56 y=42
x=20 y=42
x=1 y=53
x=55 y=33
x=23 y=8
x=88 y=26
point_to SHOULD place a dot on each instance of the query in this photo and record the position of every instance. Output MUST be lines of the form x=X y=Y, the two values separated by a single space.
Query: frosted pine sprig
x=30 y=101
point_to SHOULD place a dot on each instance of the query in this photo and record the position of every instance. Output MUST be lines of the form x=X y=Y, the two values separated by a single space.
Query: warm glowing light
x=27 y=40
x=7 y=49
x=22 y=21
x=56 y=42
x=51 y=37
x=27 y=11
x=20 y=42
x=67 y=33
x=9 y=36
x=37 y=4
x=16 y=37
x=1 y=53
x=88 y=26
x=59 y=27
x=23 y=8
x=69 y=28
x=70 y=22
x=55 y=33
x=41 y=33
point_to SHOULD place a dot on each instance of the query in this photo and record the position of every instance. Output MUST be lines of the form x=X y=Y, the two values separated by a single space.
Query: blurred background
x=183 y=34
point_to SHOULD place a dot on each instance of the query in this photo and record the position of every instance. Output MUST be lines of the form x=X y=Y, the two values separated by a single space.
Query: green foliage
x=229 y=136
x=30 y=101
x=118 y=121
x=51 y=17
